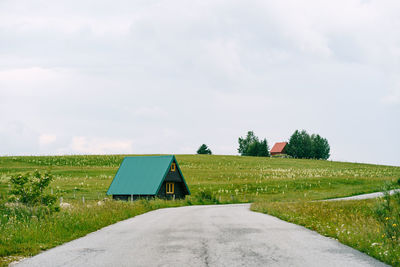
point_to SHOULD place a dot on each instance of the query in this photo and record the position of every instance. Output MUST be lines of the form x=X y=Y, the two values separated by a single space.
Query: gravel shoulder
x=218 y=235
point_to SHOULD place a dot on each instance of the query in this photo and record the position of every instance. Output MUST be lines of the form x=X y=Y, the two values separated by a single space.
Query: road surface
x=364 y=196
x=220 y=235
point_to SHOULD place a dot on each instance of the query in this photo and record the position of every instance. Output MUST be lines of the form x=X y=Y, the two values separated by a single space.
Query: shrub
x=205 y=197
x=29 y=189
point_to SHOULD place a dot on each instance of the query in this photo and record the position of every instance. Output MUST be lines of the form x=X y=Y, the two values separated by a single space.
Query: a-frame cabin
x=148 y=176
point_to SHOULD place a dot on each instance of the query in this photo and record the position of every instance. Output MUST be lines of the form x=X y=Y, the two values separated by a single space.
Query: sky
x=107 y=77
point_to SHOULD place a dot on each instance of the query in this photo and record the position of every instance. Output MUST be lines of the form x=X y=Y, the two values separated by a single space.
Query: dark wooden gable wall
x=179 y=187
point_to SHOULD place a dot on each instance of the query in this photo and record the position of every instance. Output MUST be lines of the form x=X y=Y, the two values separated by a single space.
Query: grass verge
x=353 y=223
x=23 y=234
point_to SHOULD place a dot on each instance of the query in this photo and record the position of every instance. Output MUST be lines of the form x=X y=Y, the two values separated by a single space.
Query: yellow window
x=173 y=167
x=170 y=188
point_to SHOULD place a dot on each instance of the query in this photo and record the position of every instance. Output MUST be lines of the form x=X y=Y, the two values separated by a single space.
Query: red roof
x=278 y=147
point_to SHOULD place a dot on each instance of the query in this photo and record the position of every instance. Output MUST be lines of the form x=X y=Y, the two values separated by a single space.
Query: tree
x=299 y=145
x=263 y=150
x=245 y=143
x=203 y=149
x=302 y=145
x=319 y=147
x=251 y=146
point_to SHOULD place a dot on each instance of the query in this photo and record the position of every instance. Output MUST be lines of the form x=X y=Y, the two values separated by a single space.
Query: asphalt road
x=223 y=235
x=364 y=196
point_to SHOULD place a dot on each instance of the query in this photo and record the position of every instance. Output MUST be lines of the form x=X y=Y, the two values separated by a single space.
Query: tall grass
x=25 y=232
x=354 y=223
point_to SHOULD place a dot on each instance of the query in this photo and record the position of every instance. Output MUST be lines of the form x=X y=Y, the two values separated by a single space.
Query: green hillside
x=243 y=178
x=212 y=179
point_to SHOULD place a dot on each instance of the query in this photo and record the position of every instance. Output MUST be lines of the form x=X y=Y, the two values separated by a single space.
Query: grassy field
x=245 y=178
x=230 y=179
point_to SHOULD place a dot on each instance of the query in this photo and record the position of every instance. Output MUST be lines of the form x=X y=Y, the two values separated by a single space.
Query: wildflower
x=387 y=218
x=394 y=225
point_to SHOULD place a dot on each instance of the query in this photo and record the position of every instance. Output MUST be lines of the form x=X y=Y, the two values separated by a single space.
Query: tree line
x=304 y=146
x=300 y=145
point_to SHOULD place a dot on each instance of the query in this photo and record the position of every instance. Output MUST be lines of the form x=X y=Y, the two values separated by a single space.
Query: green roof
x=141 y=175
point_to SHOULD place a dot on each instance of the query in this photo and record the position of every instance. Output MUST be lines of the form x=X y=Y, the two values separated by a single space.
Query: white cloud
x=27 y=76
x=68 y=25
x=149 y=112
x=167 y=76
x=46 y=139
x=32 y=81
x=90 y=145
x=393 y=97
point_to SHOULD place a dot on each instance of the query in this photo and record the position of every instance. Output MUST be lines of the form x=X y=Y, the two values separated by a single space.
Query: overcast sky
x=80 y=77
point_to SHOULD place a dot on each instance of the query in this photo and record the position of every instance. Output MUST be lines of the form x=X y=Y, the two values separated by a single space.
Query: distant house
x=148 y=176
x=278 y=148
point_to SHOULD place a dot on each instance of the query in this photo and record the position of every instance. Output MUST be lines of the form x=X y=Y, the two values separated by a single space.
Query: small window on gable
x=173 y=166
x=170 y=188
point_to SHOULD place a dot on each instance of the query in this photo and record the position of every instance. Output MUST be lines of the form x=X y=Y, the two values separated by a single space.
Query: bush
x=206 y=197
x=29 y=189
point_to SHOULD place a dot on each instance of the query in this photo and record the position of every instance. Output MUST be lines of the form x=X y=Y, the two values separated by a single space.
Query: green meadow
x=246 y=179
x=270 y=183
